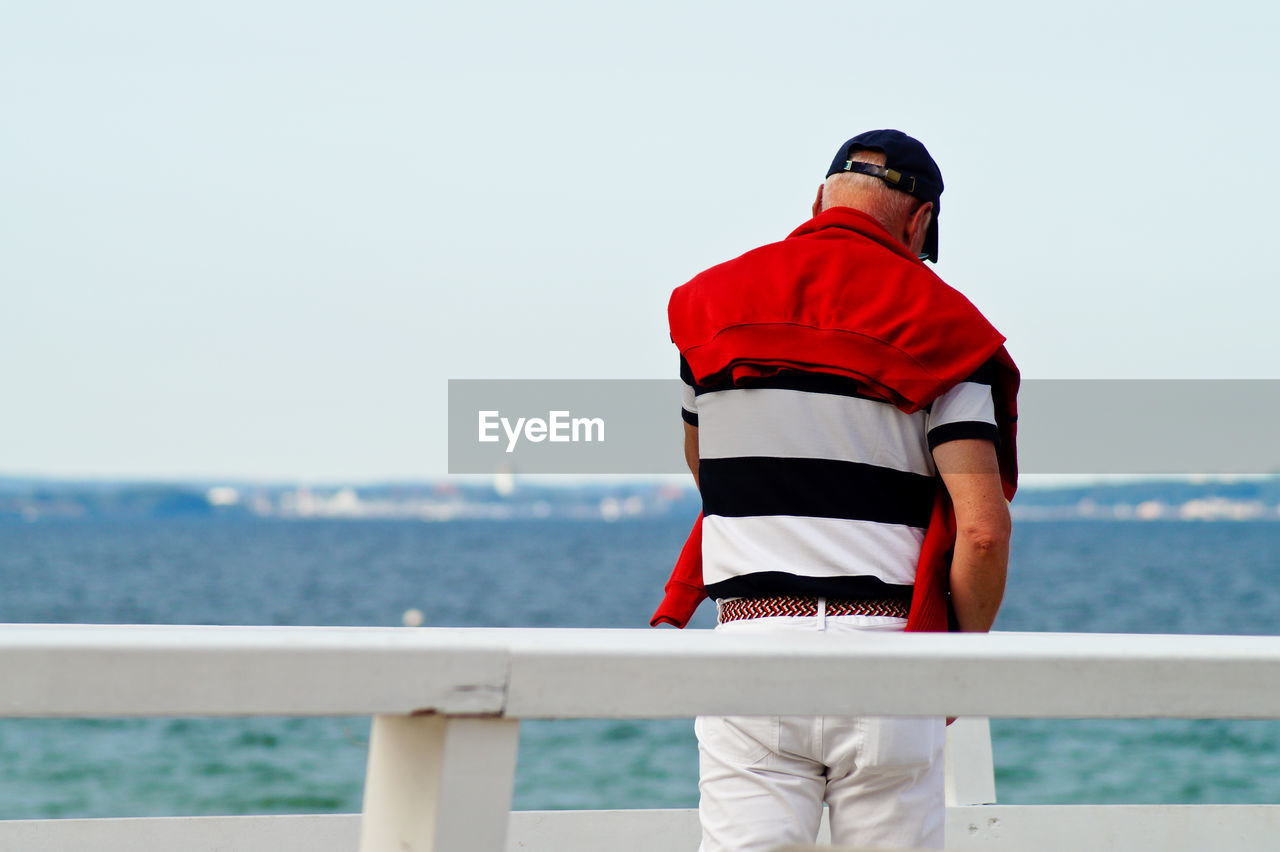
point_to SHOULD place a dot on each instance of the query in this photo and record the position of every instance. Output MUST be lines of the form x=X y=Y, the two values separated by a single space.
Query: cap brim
x=931 y=242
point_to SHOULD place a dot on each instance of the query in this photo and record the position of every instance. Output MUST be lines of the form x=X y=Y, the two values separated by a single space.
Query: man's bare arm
x=691 y=451
x=978 y=569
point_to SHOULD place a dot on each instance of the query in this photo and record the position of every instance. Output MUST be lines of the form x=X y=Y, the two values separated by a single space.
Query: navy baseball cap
x=907 y=167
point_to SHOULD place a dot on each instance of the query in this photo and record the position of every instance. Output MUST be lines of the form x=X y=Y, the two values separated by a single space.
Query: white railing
x=447 y=704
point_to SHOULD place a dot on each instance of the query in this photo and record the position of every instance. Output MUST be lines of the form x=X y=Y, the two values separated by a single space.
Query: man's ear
x=918 y=227
x=817 y=202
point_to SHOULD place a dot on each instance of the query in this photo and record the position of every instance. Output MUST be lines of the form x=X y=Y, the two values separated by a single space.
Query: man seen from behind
x=849 y=421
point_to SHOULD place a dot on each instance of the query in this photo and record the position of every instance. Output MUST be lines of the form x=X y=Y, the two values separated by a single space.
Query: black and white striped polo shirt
x=810 y=487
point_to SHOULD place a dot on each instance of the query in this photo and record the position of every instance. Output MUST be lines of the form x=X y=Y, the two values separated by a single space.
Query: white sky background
x=254 y=240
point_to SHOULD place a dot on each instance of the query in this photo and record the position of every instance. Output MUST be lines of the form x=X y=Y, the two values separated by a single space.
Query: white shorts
x=764 y=778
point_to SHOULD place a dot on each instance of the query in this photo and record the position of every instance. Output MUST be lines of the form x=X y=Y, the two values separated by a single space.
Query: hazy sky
x=256 y=239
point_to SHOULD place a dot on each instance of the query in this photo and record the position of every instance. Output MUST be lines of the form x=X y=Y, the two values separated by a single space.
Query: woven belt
x=738 y=608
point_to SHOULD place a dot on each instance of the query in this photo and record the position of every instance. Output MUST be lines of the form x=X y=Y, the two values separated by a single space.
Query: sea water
x=1153 y=577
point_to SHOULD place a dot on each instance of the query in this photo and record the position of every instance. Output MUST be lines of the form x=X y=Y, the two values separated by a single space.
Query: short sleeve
x=689 y=400
x=966 y=411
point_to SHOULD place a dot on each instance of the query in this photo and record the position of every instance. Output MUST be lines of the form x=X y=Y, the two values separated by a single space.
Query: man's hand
x=978 y=569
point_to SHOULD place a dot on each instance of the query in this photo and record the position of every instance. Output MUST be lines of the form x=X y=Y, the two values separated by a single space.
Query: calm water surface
x=1065 y=576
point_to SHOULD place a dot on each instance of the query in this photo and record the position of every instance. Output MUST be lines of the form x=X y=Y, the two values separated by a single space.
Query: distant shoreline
x=516 y=498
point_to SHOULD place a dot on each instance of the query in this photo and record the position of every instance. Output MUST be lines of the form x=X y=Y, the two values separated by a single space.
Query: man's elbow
x=989 y=534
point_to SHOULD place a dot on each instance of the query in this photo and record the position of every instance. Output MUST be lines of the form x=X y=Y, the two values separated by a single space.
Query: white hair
x=888 y=206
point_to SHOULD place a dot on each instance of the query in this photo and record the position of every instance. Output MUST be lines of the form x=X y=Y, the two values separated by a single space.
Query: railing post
x=971 y=776
x=438 y=784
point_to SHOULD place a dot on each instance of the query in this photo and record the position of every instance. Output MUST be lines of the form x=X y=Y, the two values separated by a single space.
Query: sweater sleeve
x=684 y=590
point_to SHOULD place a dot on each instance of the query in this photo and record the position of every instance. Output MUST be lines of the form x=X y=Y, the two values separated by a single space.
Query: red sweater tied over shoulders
x=841 y=296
